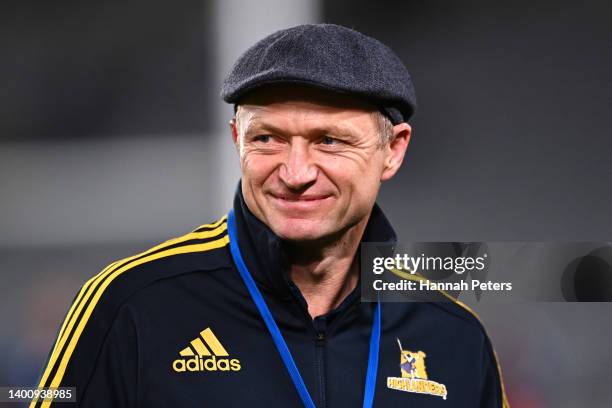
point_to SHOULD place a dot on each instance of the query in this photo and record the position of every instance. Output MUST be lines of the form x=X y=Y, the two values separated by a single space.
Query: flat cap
x=329 y=57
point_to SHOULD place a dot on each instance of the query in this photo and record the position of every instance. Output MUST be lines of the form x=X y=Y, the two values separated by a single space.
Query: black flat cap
x=329 y=57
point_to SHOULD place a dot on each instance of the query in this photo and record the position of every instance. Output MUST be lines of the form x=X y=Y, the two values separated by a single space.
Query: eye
x=262 y=138
x=328 y=140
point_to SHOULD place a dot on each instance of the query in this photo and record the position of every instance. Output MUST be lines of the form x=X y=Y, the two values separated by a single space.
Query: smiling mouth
x=294 y=201
x=299 y=199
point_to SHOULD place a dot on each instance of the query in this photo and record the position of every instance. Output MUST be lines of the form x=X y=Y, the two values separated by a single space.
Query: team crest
x=414 y=375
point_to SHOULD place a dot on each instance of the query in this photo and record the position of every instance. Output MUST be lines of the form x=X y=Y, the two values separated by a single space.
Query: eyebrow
x=333 y=130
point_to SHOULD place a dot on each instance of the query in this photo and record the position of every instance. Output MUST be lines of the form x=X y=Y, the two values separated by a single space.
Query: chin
x=298 y=230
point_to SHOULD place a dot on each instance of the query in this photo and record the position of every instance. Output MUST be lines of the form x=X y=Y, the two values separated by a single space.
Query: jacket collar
x=261 y=248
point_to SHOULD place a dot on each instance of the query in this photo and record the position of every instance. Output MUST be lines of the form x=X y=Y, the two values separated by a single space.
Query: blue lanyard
x=279 y=341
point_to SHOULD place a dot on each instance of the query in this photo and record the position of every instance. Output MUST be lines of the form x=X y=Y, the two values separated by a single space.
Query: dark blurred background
x=113 y=137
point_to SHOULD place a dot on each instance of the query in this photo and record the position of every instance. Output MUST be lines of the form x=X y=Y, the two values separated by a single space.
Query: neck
x=325 y=273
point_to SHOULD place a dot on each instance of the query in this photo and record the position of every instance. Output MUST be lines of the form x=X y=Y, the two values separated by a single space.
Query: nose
x=297 y=171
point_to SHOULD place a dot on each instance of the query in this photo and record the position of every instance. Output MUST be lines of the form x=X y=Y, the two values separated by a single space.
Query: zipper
x=320 y=339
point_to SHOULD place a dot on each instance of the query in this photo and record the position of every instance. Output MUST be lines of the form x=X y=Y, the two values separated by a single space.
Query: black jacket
x=175 y=327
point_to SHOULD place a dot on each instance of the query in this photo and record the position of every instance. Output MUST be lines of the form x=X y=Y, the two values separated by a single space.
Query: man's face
x=311 y=161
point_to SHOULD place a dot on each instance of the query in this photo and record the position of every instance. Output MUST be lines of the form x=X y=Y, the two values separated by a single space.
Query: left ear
x=396 y=149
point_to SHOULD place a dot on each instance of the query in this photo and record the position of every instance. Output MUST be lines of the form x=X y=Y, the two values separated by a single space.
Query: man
x=261 y=308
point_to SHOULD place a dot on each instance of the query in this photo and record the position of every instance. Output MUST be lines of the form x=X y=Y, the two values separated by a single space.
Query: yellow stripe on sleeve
x=214 y=224
x=75 y=303
x=88 y=288
x=79 y=329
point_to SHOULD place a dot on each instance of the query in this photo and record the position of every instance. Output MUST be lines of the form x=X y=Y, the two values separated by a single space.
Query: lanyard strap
x=279 y=341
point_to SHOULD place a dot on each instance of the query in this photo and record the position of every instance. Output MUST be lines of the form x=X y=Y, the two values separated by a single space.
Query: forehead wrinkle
x=258 y=122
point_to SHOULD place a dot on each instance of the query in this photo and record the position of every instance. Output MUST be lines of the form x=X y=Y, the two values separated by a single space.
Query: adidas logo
x=205 y=353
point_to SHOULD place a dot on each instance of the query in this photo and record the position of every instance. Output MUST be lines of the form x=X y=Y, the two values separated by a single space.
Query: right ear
x=234 y=129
